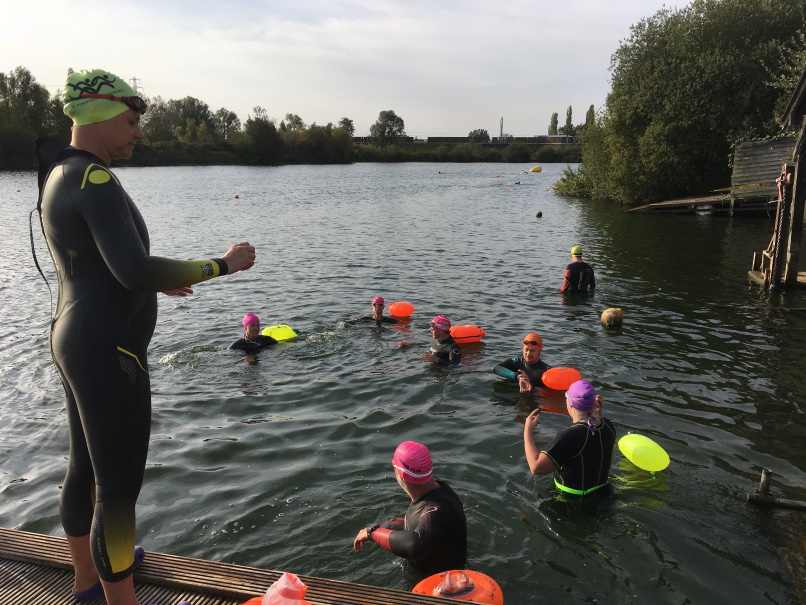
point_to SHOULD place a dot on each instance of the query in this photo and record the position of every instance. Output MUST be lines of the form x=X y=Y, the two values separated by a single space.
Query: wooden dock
x=36 y=570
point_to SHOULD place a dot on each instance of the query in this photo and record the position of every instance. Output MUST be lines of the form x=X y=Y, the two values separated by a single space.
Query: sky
x=445 y=67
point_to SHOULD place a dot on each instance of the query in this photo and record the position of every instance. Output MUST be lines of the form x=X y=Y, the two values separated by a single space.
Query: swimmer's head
x=532 y=339
x=249 y=319
x=378 y=300
x=576 y=251
x=441 y=322
x=581 y=396
x=413 y=462
x=80 y=94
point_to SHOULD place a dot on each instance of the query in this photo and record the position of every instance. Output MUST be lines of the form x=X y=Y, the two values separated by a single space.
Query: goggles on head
x=135 y=103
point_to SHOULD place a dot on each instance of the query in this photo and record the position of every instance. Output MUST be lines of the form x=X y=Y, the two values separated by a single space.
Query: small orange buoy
x=467 y=334
x=237 y=197
x=462 y=585
x=401 y=309
x=612 y=317
x=560 y=379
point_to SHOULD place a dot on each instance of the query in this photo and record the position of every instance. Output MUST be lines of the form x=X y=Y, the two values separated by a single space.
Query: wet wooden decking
x=36 y=570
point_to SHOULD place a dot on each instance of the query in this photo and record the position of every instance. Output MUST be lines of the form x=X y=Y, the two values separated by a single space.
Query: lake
x=277 y=460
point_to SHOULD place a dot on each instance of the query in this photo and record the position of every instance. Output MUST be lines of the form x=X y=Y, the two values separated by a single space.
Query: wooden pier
x=36 y=570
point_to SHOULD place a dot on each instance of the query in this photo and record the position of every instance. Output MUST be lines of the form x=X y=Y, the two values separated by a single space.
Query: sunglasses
x=532 y=342
x=135 y=103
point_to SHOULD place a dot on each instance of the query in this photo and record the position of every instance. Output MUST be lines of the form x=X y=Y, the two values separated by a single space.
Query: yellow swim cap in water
x=576 y=251
x=96 y=81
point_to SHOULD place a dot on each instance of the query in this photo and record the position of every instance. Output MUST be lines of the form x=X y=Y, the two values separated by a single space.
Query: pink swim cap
x=441 y=322
x=249 y=319
x=581 y=395
x=378 y=299
x=413 y=461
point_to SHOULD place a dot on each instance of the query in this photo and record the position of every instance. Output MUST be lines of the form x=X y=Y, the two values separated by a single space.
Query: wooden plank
x=206 y=582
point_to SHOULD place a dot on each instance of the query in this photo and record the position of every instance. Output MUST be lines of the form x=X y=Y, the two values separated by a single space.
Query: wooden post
x=761 y=496
x=796 y=227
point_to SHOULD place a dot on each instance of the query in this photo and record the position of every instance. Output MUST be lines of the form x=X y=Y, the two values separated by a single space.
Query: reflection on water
x=276 y=459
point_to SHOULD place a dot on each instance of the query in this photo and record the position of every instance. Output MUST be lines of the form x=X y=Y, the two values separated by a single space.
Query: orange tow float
x=462 y=585
x=560 y=379
x=466 y=334
x=401 y=309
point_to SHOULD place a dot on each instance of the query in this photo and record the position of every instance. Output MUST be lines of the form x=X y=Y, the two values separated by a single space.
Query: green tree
x=387 y=129
x=223 y=123
x=293 y=121
x=264 y=143
x=553 y=124
x=347 y=124
x=568 y=128
x=590 y=116
x=687 y=84
x=478 y=136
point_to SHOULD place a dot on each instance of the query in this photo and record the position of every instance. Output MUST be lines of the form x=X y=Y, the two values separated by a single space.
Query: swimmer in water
x=529 y=368
x=444 y=351
x=377 y=317
x=252 y=339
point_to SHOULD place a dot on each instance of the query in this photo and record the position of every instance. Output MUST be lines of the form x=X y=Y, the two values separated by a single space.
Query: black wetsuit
x=583 y=456
x=578 y=279
x=447 y=351
x=249 y=345
x=512 y=365
x=367 y=319
x=434 y=536
x=105 y=316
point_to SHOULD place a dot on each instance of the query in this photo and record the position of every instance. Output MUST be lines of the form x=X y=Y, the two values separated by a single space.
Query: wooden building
x=778 y=265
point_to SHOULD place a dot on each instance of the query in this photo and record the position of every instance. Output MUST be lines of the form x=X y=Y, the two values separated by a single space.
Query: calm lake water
x=278 y=461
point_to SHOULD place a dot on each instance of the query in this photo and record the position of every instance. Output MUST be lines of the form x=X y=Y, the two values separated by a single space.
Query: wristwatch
x=371 y=529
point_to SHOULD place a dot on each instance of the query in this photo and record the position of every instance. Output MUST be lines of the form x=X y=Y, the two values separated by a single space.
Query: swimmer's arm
x=506 y=369
x=540 y=463
x=112 y=223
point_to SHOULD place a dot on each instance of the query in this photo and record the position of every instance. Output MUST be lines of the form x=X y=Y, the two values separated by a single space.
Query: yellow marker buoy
x=612 y=317
x=536 y=169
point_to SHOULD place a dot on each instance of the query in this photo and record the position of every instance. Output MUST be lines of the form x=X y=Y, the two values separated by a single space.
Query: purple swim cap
x=413 y=462
x=249 y=319
x=581 y=395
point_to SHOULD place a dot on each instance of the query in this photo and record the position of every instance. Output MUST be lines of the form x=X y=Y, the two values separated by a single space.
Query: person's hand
x=360 y=539
x=239 y=257
x=179 y=291
x=429 y=356
x=403 y=344
x=524 y=382
x=394 y=524
x=532 y=420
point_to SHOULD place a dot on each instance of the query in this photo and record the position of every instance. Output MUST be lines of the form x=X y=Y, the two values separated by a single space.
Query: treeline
x=187 y=132
x=686 y=85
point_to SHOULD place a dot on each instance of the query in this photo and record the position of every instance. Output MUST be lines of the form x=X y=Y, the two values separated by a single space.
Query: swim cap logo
x=207 y=270
x=94 y=86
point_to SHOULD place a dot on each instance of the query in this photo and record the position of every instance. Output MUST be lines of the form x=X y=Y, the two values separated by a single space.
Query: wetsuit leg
x=113 y=399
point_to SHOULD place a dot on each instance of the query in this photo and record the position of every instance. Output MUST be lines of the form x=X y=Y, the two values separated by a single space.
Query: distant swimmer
x=252 y=339
x=579 y=456
x=527 y=370
x=579 y=277
x=444 y=351
x=433 y=535
x=377 y=317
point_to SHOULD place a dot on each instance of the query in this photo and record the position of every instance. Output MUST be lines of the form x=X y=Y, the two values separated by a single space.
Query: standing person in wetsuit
x=377 y=316
x=252 y=339
x=527 y=370
x=579 y=277
x=444 y=351
x=104 y=320
x=579 y=456
x=433 y=534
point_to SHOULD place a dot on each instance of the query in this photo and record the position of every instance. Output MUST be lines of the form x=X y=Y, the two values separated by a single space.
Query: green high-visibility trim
x=576 y=492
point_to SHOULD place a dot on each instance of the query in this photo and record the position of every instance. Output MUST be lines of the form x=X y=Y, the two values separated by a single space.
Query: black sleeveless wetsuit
x=105 y=316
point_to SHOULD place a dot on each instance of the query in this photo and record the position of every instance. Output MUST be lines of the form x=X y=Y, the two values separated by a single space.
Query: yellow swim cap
x=96 y=81
x=576 y=251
